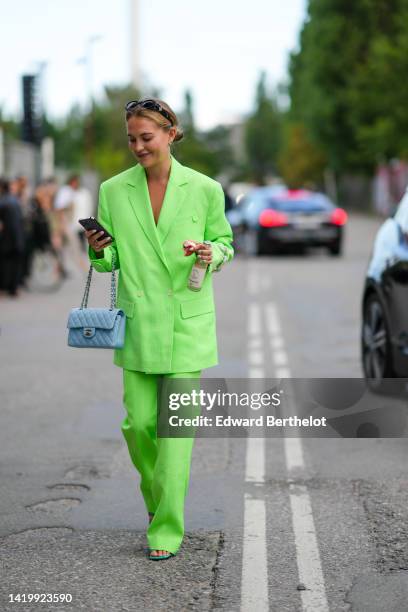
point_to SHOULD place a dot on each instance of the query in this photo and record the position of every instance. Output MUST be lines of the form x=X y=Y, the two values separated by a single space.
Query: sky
x=216 y=48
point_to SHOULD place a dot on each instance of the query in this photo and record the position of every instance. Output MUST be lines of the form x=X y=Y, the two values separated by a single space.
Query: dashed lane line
x=254 y=585
x=310 y=572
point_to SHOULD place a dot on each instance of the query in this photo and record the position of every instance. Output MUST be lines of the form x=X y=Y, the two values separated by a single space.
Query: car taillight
x=338 y=216
x=272 y=218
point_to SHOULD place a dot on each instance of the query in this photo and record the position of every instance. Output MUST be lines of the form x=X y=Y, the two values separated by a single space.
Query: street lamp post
x=42 y=67
x=47 y=166
x=134 y=44
x=86 y=60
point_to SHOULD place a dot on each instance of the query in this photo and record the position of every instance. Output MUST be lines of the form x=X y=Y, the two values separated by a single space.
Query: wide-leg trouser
x=163 y=463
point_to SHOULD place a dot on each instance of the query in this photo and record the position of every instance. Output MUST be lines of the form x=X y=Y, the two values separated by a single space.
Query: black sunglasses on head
x=150 y=105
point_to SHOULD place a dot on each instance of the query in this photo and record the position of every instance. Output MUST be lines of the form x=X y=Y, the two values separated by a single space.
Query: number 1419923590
x=40 y=597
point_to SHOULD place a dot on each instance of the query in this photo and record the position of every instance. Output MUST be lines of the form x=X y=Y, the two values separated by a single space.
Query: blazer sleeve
x=103 y=263
x=218 y=231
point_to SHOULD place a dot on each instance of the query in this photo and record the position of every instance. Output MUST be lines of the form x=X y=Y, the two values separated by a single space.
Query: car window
x=384 y=248
x=401 y=214
x=309 y=205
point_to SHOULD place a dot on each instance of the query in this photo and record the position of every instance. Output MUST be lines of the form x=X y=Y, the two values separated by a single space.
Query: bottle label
x=196 y=277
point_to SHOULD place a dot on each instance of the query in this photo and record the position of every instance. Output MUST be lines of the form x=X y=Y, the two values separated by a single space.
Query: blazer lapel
x=140 y=201
x=173 y=200
x=172 y=203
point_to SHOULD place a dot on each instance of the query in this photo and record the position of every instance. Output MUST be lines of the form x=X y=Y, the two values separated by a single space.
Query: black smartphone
x=92 y=224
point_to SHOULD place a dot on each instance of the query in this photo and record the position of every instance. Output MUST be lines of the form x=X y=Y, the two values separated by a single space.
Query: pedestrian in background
x=21 y=189
x=49 y=193
x=12 y=240
x=64 y=207
x=41 y=221
x=150 y=210
x=229 y=203
x=83 y=208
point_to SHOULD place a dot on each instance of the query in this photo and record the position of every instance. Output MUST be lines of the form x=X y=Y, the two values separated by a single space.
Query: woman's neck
x=159 y=173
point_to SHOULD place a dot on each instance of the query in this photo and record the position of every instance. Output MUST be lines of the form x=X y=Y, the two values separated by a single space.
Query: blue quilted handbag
x=97 y=327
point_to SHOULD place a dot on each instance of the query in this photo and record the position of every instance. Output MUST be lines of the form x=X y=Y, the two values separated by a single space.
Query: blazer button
x=170 y=292
x=139 y=293
x=195 y=218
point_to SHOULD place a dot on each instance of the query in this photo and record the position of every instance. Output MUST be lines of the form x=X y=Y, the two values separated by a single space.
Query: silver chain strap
x=113 y=282
x=84 y=303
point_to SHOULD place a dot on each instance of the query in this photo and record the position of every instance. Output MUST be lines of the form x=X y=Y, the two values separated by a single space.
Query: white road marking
x=253 y=282
x=256 y=373
x=294 y=454
x=308 y=557
x=282 y=373
x=255 y=460
x=254 y=585
x=280 y=358
x=254 y=321
x=314 y=598
x=277 y=342
x=255 y=357
x=255 y=342
x=272 y=320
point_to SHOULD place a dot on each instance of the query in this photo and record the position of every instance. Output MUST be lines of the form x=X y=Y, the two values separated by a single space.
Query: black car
x=274 y=218
x=384 y=329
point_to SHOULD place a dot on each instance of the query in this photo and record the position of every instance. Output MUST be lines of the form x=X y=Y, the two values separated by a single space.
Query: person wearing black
x=229 y=203
x=12 y=241
x=38 y=236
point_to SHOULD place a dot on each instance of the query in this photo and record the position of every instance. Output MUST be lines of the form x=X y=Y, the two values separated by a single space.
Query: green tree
x=107 y=139
x=378 y=92
x=341 y=86
x=193 y=149
x=263 y=134
x=68 y=136
x=301 y=163
x=97 y=138
x=186 y=117
x=11 y=128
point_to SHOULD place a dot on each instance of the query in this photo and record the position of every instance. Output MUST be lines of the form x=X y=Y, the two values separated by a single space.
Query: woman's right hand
x=93 y=237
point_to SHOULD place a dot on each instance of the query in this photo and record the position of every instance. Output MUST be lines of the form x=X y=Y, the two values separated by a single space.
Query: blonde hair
x=139 y=111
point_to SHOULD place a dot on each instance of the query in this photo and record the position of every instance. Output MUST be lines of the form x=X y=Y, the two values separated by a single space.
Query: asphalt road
x=282 y=524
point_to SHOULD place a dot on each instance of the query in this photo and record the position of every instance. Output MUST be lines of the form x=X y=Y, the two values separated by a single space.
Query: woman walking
x=151 y=210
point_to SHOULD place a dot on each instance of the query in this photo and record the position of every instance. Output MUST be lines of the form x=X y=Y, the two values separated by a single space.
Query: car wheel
x=376 y=345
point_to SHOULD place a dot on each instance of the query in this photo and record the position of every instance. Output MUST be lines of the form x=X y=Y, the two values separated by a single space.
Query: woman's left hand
x=205 y=253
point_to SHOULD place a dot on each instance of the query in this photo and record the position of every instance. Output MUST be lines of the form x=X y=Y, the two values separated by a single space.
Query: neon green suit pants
x=163 y=463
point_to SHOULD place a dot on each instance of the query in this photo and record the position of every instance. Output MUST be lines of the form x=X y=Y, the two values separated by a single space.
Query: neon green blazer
x=169 y=328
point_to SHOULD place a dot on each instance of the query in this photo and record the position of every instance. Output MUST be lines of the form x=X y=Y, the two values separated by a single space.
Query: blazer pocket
x=196 y=307
x=127 y=307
